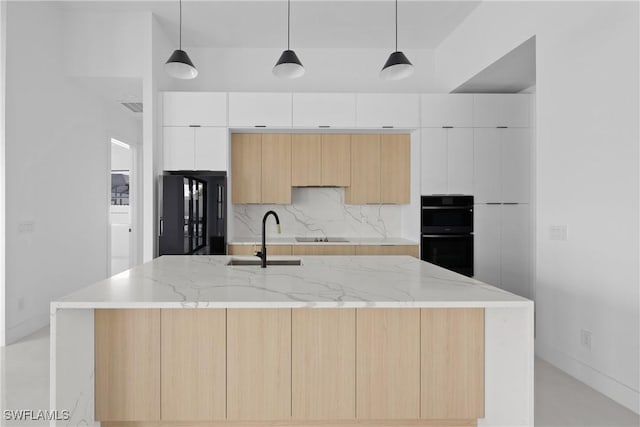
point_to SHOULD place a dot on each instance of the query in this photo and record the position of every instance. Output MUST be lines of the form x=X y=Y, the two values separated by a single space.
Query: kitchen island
x=337 y=340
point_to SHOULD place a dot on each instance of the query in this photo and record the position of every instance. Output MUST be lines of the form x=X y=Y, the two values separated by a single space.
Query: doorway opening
x=121 y=243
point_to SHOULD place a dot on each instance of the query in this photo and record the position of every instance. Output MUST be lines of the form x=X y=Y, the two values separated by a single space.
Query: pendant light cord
x=180 y=36
x=396 y=25
x=288 y=24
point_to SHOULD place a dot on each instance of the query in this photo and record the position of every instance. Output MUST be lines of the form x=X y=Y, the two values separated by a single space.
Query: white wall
x=57 y=145
x=327 y=70
x=587 y=174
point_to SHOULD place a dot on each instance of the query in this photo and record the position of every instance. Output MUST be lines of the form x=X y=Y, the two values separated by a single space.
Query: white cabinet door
x=324 y=110
x=439 y=110
x=211 y=148
x=195 y=108
x=486 y=242
x=515 y=165
x=493 y=110
x=460 y=161
x=376 y=110
x=434 y=161
x=259 y=109
x=179 y=149
x=515 y=249
x=486 y=166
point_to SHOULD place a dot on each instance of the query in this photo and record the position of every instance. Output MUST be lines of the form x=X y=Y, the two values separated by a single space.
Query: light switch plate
x=558 y=232
x=26 y=227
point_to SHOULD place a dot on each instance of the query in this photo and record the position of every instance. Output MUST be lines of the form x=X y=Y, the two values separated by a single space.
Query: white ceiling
x=314 y=24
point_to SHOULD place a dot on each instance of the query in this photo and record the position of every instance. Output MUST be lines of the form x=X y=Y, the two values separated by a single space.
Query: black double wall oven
x=447 y=232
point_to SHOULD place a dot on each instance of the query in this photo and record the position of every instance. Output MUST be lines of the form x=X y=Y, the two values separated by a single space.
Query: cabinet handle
x=447 y=127
x=324 y=126
x=194 y=126
x=161 y=227
x=502 y=127
x=494 y=203
x=260 y=126
x=511 y=203
x=387 y=127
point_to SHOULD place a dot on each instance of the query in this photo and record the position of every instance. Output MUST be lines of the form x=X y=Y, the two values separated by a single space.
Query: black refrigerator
x=193 y=216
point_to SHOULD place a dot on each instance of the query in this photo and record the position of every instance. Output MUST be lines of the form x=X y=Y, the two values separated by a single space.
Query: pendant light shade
x=179 y=64
x=398 y=65
x=288 y=65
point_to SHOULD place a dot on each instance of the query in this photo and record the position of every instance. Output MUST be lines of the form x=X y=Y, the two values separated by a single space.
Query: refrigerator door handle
x=220 y=195
x=161 y=227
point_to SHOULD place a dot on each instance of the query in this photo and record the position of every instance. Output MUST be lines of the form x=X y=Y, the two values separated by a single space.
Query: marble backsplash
x=318 y=212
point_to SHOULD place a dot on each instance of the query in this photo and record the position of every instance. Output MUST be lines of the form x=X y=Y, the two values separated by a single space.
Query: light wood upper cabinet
x=306 y=159
x=246 y=168
x=324 y=110
x=381 y=110
x=452 y=365
x=127 y=364
x=259 y=109
x=193 y=364
x=395 y=159
x=336 y=160
x=323 y=366
x=365 y=170
x=438 y=110
x=494 y=110
x=252 y=249
x=276 y=168
x=258 y=364
x=195 y=108
x=388 y=363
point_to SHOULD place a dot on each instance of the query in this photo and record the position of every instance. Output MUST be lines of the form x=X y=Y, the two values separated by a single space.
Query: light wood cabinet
x=193 y=364
x=323 y=364
x=452 y=363
x=388 y=363
x=395 y=168
x=345 y=250
x=246 y=168
x=365 y=170
x=276 y=168
x=127 y=364
x=336 y=160
x=306 y=159
x=411 y=250
x=250 y=250
x=258 y=364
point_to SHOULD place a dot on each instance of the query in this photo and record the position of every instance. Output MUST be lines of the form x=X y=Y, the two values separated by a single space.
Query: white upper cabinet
x=434 y=161
x=194 y=108
x=460 y=161
x=179 y=148
x=487 y=226
x=260 y=109
x=211 y=149
x=501 y=110
x=374 y=110
x=487 y=159
x=450 y=110
x=515 y=165
x=324 y=110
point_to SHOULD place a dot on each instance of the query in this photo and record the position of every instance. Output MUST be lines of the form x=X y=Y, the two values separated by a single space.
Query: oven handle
x=447 y=207
x=453 y=236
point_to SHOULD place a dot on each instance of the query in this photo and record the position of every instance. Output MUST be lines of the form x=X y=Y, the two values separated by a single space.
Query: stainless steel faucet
x=263 y=253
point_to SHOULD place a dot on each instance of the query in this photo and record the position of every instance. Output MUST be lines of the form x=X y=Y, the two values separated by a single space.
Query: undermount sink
x=321 y=239
x=257 y=262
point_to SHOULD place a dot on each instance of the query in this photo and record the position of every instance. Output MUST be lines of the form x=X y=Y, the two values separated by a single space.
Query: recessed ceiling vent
x=136 y=107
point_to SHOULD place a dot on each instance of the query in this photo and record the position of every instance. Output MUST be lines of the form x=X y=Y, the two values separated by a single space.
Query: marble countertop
x=321 y=281
x=357 y=241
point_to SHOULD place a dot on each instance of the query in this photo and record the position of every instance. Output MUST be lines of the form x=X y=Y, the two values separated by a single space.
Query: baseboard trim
x=595 y=379
x=352 y=423
x=25 y=328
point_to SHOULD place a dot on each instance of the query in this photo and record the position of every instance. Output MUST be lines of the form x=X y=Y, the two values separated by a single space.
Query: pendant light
x=398 y=65
x=288 y=66
x=179 y=64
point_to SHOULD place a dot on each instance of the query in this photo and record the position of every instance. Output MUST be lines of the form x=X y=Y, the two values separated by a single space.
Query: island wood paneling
x=127 y=364
x=365 y=170
x=323 y=249
x=306 y=159
x=336 y=160
x=411 y=250
x=297 y=423
x=193 y=373
x=258 y=364
x=246 y=168
x=323 y=364
x=388 y=363
x=395 y=167
x=250 y=250
x=452 y=363
x=276 y=168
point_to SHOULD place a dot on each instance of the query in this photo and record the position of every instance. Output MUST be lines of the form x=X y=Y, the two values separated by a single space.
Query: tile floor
x=560 y=400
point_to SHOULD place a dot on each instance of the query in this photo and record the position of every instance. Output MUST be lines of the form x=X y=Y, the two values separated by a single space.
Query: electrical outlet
x=26 y=227
x=585 y=339
x=20 y=303
x=558 y=232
